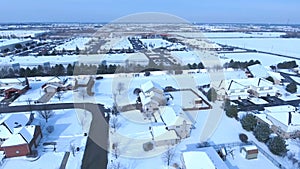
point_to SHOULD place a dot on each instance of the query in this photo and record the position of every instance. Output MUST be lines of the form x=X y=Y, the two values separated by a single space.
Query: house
x=249 y=152
x=203 y=158
x=283 y=120
x=49 y=88
x=15 y=90
x=233 y=90
x=262 y=88
x=174 y=119
x=11 y=87
x=152 y=96
x=259 y=71
x=23 y=142
x=17 y=136
x=162 y=137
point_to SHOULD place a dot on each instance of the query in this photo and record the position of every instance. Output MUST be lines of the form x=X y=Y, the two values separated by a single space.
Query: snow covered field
x=265 y=59
x=7 y=42
x=21 y=33
x=158 y=43
x=275 y=45
x=71 y=45
x=242 y=34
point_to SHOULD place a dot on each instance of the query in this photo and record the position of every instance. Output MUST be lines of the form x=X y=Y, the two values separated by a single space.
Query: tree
x=137 y=91
x=120 y=87
x=232 y=111
x=168 y=156
x=292 y=87
x=243 y=137
x=262 y=132
x=59 y=95
x=115 y=150
x=271 y=79
x=212 y=95
x=46 y=114
x=277 y=146
x=114 y=123
x=249 y=122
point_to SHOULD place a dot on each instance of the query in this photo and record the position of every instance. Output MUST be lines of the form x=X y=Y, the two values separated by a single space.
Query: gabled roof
x=258 y=71
x=197 y=160
x=28 y=132
x=16 y=120
x=280 y=109
x=15 y=139
x=146 y=87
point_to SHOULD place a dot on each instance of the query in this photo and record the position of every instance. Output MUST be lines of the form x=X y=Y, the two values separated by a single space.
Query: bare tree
x=59 y=95
x=114 y=123
x=114 y=108
x=115 y=150
x=168 y=156
x=120 y=87
x=46 y=114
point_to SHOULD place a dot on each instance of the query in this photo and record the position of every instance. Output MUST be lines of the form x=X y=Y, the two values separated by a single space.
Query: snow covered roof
x=197 y=160
x=4 y=132
x=12 y=80
x=201 y=79
x=280 y=109
x=150 y=85
x=258 y=70
x=161 y=133
x=250 y=147
x=283 y=118
x=144 y=100
x=15 y=121
x=28 y=132
x=264 y=118
x=55 y=80
x=15 y=139
x=171 y=117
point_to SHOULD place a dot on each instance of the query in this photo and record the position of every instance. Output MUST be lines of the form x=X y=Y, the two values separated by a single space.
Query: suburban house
x=234 y=90
x=203 y=158
x=56 y=84
x=243 y=88
x=17 y=136
x=11 y=87
x=283 y=120
x=162 y=137
x=249 y=152
x=259 y=71
x=152 y=96
x=173 y=118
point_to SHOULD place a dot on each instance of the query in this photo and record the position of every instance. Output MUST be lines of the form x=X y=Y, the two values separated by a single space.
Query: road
x=95 y=155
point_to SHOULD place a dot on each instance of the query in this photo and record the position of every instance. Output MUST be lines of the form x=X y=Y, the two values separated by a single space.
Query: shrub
x=148 y=146
x=50 y=129
x=243 y=137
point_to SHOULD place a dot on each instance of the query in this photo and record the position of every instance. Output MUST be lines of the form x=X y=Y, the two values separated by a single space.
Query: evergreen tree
x=249 y=122
x=277 y=146
x=292 y=87
x=212 y=95
x=232 y=111
x=262 y=132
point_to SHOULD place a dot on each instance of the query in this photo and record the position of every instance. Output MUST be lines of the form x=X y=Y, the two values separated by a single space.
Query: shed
x=249 y=152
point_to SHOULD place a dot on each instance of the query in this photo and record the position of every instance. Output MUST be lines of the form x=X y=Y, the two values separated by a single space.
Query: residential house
x=17 y=137
x=162 y=137
x=152 y=96
x=283 y=120
x=174 y=119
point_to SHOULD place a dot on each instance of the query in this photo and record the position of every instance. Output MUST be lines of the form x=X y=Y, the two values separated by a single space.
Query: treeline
x=83 y=69
x=240 y=65
x=287 y=65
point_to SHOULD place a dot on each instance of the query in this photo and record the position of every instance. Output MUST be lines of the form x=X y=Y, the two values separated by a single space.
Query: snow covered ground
x=21 y=33
x=242 y=34
x=71 y=45
x=263 y=58
x=275 y=45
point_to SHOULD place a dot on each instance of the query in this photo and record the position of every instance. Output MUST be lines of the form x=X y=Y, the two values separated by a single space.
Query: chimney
x=290 y=118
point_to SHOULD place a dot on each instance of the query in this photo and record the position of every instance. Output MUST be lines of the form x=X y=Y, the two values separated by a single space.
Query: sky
x=203 y=11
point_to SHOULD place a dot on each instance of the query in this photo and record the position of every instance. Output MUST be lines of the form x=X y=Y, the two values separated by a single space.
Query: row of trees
x=262 y=132
x=84 y=69
x=240 y=65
